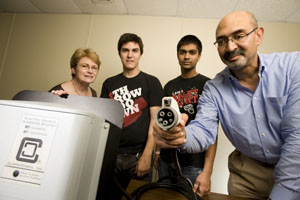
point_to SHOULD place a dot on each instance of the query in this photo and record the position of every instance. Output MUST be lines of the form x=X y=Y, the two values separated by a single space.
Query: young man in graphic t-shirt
x=186 y=89
x=140 y=95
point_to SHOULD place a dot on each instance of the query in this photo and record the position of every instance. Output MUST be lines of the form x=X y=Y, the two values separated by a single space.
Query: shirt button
x=268 y=151
x=263 y=134
x=259 y=116
x=254 y=98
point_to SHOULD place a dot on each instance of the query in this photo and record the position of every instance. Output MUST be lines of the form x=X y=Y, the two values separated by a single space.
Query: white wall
x=35 y=50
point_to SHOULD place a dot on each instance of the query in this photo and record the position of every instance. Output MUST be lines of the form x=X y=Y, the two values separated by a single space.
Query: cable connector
x=168 y=116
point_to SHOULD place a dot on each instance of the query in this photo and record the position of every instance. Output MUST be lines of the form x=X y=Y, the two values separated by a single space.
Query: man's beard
x=237 y=64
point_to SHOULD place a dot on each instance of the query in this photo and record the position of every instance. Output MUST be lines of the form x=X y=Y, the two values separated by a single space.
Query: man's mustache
x=234 y=53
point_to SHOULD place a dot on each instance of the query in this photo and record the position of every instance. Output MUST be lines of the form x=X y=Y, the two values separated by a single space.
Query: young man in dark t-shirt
x=186 y=89
x=140 y=95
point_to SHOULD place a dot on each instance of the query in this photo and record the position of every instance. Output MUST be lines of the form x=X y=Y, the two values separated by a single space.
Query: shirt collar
x=262 y=65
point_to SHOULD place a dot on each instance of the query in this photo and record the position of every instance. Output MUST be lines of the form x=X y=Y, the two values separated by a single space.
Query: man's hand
x=202 y=184
x=143 y=166
x=172 y=138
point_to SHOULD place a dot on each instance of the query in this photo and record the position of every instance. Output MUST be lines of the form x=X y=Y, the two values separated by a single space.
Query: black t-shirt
x=136 y=95
x=186 y=92
x=58 y=87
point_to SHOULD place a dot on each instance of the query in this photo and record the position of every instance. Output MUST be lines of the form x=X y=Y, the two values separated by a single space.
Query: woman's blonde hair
x=84 y=52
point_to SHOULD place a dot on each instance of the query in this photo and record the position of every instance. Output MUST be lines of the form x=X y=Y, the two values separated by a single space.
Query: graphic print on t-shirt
x=132 y=102
x=186 y=99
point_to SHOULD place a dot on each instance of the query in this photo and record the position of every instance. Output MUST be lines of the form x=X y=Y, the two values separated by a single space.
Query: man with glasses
x=256 y=98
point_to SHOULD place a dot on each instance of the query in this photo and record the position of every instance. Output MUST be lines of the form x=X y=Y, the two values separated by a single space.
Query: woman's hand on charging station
x=171 y=138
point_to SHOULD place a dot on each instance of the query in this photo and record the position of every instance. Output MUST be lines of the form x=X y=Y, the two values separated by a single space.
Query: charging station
x=58 y=148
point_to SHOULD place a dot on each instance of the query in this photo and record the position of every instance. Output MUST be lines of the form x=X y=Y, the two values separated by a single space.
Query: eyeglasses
x=86 y=67
x=239 y=37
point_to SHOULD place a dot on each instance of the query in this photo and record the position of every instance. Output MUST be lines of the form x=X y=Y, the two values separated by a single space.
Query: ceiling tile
x=114 y=7
x=61 y=6
x=153 y=7
x=264 y=10
x=18 y=6
x=214 y=9
x=270 y=10
x=295 y=17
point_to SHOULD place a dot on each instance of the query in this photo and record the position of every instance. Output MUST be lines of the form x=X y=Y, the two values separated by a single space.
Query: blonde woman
x=85 y=65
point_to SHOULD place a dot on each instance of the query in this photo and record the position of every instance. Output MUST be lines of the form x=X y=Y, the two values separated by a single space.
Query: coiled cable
x=179 y=183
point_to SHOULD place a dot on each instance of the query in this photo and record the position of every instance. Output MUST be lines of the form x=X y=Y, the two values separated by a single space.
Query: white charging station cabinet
x=49 y=151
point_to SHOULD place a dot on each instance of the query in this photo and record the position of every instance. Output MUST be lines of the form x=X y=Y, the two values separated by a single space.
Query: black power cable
x=127 y=196
x=178 y=183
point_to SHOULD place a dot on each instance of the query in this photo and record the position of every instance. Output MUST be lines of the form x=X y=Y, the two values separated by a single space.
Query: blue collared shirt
x=264 y=125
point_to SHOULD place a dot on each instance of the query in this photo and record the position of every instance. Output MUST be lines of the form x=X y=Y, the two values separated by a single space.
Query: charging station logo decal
x=29 y=155
x=28 y=150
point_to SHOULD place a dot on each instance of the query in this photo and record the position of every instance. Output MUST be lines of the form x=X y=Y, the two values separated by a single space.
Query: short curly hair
x=84 y=52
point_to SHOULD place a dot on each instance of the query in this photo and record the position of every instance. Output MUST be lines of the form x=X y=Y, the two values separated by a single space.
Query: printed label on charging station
x=29 y=154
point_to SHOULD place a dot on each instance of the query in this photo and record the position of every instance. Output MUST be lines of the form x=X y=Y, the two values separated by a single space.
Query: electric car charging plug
x=168 y=116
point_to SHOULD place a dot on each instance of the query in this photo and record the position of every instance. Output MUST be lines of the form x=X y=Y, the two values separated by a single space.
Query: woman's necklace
x=76 y=89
